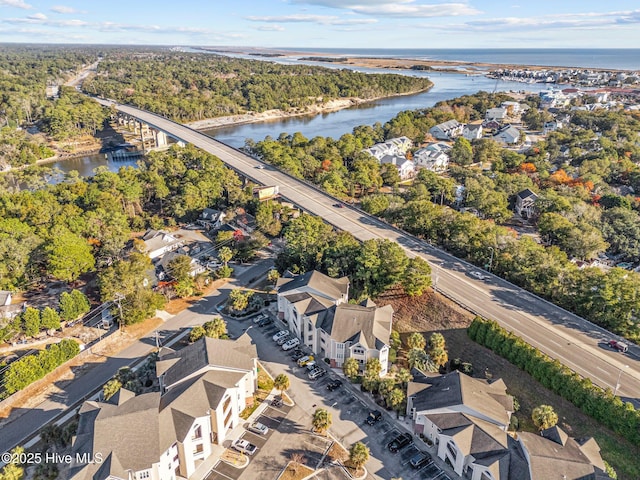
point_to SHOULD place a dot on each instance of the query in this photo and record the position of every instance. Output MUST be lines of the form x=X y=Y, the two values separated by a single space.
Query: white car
x=257 y=318
x=244 y=446
x=294 y=342
x=283 y=340
x=280 y=334
x=213 y=265
x=316 y=373
x=260 y=166
x=478 y=275
x=257 y=427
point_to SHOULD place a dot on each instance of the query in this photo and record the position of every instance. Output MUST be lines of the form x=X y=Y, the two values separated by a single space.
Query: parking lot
x=349 y=410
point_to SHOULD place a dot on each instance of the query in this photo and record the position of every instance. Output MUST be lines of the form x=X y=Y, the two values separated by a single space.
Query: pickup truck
x=616 y=345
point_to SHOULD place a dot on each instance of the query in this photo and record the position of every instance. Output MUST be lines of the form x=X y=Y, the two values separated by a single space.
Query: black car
x=374 y=417
x=297 y=355
x=331 y=386
x=419 y=460
x=399 y=442
x=265 y=321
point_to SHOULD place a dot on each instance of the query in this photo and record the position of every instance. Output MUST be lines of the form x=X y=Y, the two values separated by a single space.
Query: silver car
x=257 y=427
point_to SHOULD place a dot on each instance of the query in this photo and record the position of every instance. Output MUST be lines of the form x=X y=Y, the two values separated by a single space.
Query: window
x=486 y=476
x=358 y=351
x=228 y=418
x=197 y=433
x=452 y=450
x=143 y=475
x=198 y=449
x=227 y=402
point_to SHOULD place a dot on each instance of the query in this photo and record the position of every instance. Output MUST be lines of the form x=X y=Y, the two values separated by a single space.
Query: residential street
x=15 y=432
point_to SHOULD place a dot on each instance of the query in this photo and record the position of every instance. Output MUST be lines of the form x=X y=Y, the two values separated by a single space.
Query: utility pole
x=118 y=297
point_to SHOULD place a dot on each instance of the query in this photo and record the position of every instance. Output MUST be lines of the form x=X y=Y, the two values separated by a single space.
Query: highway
x=574 y=341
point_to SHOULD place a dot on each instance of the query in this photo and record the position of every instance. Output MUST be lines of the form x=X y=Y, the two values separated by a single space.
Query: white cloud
x=66 y=10
x=270 y=28
x=308 y=18
x=401 y=8
x=15 y=3
x=37 y=16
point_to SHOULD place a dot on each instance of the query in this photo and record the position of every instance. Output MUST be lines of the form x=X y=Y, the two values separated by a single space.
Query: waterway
x=333 y=124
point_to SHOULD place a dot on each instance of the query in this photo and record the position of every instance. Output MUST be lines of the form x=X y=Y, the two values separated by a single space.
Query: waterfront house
x=447 y=130
x=406 y=168
x=393 y=146
x=433 y=159
x=472 y=131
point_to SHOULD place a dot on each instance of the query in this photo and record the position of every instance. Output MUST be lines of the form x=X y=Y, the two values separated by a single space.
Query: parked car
x=311 y=365
x=213 y=265
x=374 y=417
x=265 y=321
x=296 y=354
x=421 y=459
x=280 y=334
x=257 y=427
x=399 y=442
x=478 y=275
x=294 y=342
x=283 y=340
x=304 y=360
x=616 y=345
x=277 y=401
x=259 y=318
x=316 y=373
x=243 y=446
x=331 y=386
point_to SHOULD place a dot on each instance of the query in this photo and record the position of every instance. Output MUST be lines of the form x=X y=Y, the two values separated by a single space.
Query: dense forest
x=585 y=175
x=187 y=87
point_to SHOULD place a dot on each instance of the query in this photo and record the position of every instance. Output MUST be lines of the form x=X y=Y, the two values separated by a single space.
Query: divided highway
x=574 y=341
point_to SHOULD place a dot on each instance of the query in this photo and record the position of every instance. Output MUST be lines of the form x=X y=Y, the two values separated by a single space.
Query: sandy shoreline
x=253 y=117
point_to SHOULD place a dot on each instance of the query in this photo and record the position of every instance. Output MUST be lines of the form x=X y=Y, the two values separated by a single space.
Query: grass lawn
x=432 y=312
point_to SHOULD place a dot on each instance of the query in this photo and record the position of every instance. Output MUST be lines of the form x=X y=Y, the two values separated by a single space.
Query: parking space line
x=218 y=473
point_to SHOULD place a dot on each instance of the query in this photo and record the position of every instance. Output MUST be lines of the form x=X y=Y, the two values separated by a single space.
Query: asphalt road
x=570 y=339
x=15 y=432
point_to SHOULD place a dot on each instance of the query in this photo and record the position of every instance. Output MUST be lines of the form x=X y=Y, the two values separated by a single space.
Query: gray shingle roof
x=456 y=388
x=308 y=304
x=333 y=288
x=238 y=354
x=370 y=326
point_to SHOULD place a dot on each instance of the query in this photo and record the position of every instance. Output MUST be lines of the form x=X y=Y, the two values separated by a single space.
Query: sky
x=327 y=23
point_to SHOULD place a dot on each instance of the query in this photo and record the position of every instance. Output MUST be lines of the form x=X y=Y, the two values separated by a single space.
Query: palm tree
x=282 y=383
x=394 y=398
x=544 y=417
x=351 y=368
x=215 y=328
x=386 y=385
x=358 y=455
x=404 y=376
x=224 y=255
x=321 y=420
x=416 y=340
x=437 y=349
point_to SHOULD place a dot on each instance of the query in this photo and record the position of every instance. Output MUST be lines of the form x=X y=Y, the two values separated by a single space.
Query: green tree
x=73 y=305
x=239 y=300
x=416 y=341
x=351 y=368
x=180 y=267
x=373 y=368
x=50 y=319
x=197 y=333
x=225 y=254
x=184 y=287
x=358 y=455
x=68 y=255
x=272 y=276
x=417 y=277
x=215 y=328
x=544 y=417
x=404 y=376
x=419 y=359
x=437 y=349
x=110 y=388
x=386 y=385
x=282 y=383
x=395 y=398
x=321 y=420
x=395 y=340
x=13 y=471
x=31 y=321
x=461 y=152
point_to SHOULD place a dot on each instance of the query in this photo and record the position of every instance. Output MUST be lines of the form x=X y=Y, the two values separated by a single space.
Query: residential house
x=167 y=435
x=211 y=218
x=513 y=108
x=393 y=146
x=472 y=131
x=245 y=222
x=525 y=203
x=498 y=114
x=507 y=135
x=7 y=310
x=467 y=420
x=406 y=168
x=554 y=454
x=447 y=130
x=159 y=242
x=491 y=125
x=551 y=126
x=196 y=267
x=316 y=311
x=433 y=159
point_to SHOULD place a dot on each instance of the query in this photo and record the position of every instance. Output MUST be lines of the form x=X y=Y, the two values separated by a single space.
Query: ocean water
x=605 y=58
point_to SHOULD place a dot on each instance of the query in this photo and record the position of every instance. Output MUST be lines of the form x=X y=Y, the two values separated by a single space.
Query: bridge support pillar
x=161 y=138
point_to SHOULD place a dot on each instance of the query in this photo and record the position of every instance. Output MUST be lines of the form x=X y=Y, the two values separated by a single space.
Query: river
x=333 y=124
